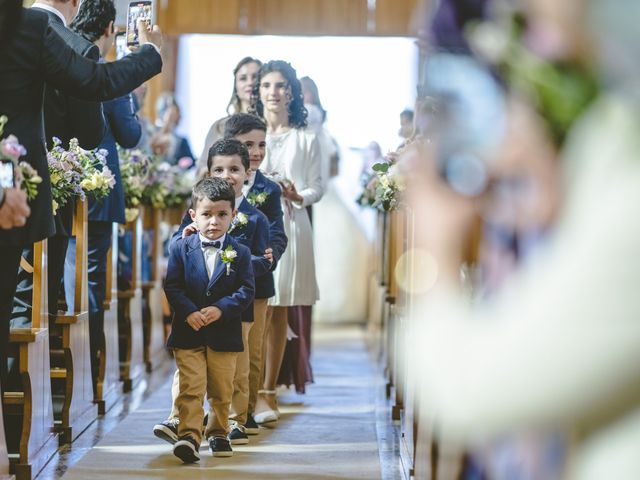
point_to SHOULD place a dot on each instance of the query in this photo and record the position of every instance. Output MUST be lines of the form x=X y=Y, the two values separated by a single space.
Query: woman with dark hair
x=293 y=158
x=244 y=75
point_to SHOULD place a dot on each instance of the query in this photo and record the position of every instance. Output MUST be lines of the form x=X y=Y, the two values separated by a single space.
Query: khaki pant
x=257 y=337
x=203 y=370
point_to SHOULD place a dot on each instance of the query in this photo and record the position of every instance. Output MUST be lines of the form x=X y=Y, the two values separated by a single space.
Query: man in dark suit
x=34 y=55
x=65 y=117
x=94 y=22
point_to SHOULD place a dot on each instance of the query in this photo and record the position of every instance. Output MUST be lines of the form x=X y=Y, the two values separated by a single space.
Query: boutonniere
x=257 y=199
x=240 y=221
x=227 y=256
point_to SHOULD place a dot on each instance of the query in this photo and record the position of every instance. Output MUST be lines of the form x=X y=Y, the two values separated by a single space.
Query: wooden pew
x=107 y=389
x=130 y=333
x=32 y=444
x=154 y=342
x=74 y=409
x=4 y=454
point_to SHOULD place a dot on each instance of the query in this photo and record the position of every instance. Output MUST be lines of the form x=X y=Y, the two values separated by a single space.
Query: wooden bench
x=130 y=333
x=71 y=380
x=4 y=454
x=107 y=389
x=32 y=444
x=154 y=341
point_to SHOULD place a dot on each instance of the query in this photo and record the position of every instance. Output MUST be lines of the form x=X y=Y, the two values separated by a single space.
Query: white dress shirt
x=210 y=253
x=247 y=186
x=49 y=8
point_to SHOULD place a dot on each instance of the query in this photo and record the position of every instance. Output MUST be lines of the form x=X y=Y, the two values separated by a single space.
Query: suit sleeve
x=175 y=287
x=277 y=238
x=80 y=77
x=233 y=305
x=259 y=263
x=124 y=123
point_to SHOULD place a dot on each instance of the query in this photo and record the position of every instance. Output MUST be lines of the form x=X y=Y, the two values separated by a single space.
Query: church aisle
x=328 y=433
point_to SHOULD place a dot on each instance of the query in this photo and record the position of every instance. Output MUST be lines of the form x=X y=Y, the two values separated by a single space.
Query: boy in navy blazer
x=209 y=285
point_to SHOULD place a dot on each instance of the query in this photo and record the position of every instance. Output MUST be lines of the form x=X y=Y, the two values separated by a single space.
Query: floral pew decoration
x=26 y=177
x=77 y=173
x=383 y=185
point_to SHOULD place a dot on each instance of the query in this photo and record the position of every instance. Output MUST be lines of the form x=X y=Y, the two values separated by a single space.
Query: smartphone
x=121 y=45
x=7 y=174
x=141 y=9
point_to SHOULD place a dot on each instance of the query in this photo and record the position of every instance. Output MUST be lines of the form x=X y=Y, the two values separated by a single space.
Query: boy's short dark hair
x=213 y=188
x=242 y=123
x=227 y=147
x=93 y=18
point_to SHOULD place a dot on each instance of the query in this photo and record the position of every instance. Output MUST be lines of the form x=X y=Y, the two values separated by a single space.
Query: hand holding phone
x=140 y=18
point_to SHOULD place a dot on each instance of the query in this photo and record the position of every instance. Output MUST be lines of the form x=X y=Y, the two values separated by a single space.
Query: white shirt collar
x=49 y=8
x=205 y=239
x=247 y=186
x=239 y=201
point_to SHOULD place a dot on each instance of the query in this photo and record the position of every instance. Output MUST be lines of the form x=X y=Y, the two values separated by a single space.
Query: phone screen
x=6 y=174
x=121 y=46
x=142 y=9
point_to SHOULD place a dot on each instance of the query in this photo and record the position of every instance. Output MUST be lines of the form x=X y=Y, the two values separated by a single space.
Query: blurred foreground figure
x=559 y=346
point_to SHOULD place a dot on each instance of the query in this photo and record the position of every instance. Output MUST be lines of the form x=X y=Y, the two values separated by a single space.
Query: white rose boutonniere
x=240 y=221
x=227 y=256
x=257 y=199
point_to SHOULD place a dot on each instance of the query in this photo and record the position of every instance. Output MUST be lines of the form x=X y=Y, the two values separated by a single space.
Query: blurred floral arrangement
x=25 y=175
x=560 y=89
x=77 y=172
x=383 y=185
x=147 y=181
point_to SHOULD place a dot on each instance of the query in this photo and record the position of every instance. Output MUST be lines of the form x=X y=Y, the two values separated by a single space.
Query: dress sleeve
x=314 y=189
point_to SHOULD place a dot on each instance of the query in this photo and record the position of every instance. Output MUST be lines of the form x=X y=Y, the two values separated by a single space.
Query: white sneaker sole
x=222 y=454
x=239 y=441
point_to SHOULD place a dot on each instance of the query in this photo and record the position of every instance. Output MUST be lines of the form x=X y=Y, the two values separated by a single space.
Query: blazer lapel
x=196 y=258
x=258 y=183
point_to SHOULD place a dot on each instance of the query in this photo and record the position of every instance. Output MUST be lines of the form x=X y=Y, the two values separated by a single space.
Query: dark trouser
x=10 y=261
x=99 y=237
x=56 y=251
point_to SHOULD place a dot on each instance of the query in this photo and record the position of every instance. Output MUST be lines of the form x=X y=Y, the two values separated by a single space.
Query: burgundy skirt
x=296 y=365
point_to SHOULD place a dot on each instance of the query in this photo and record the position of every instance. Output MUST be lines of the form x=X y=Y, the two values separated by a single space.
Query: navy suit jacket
x=255 y=236
x=272 y=208
x=189 y=289
x=36 y=54
x=124 y=128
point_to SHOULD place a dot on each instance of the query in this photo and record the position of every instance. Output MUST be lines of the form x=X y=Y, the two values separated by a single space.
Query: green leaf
x=381 y=167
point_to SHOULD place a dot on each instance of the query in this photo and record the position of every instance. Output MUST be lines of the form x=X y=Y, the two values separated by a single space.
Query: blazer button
x=208 y=293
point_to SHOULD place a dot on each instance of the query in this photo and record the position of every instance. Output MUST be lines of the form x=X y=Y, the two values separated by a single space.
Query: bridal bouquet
x=25 y=175
x=168 y=186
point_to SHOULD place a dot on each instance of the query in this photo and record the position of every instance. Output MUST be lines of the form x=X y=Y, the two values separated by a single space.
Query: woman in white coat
x=293 y=159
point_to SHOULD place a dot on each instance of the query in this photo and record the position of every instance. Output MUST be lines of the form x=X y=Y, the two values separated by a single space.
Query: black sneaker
x=237 y=435
x=186 y=449
x=251 y=427
x=167 y=430
x=220 y=447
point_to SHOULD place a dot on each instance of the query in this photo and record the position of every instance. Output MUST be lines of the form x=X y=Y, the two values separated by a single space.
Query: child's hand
x=189 y=230
x=196 y=320
x=211 y=314
x=268 y=254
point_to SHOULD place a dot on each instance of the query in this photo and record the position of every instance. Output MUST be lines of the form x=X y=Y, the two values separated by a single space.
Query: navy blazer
x=189 y=289
x=272 y=208
x=124 y=128
x=255 y=236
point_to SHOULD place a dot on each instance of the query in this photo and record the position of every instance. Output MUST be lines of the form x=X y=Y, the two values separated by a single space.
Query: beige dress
x=295 y=156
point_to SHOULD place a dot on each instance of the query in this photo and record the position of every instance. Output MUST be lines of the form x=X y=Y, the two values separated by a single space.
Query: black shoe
x=237 y=435
x=186 y=449
x=167 y=430
x=251 y=427
x=220 y=447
